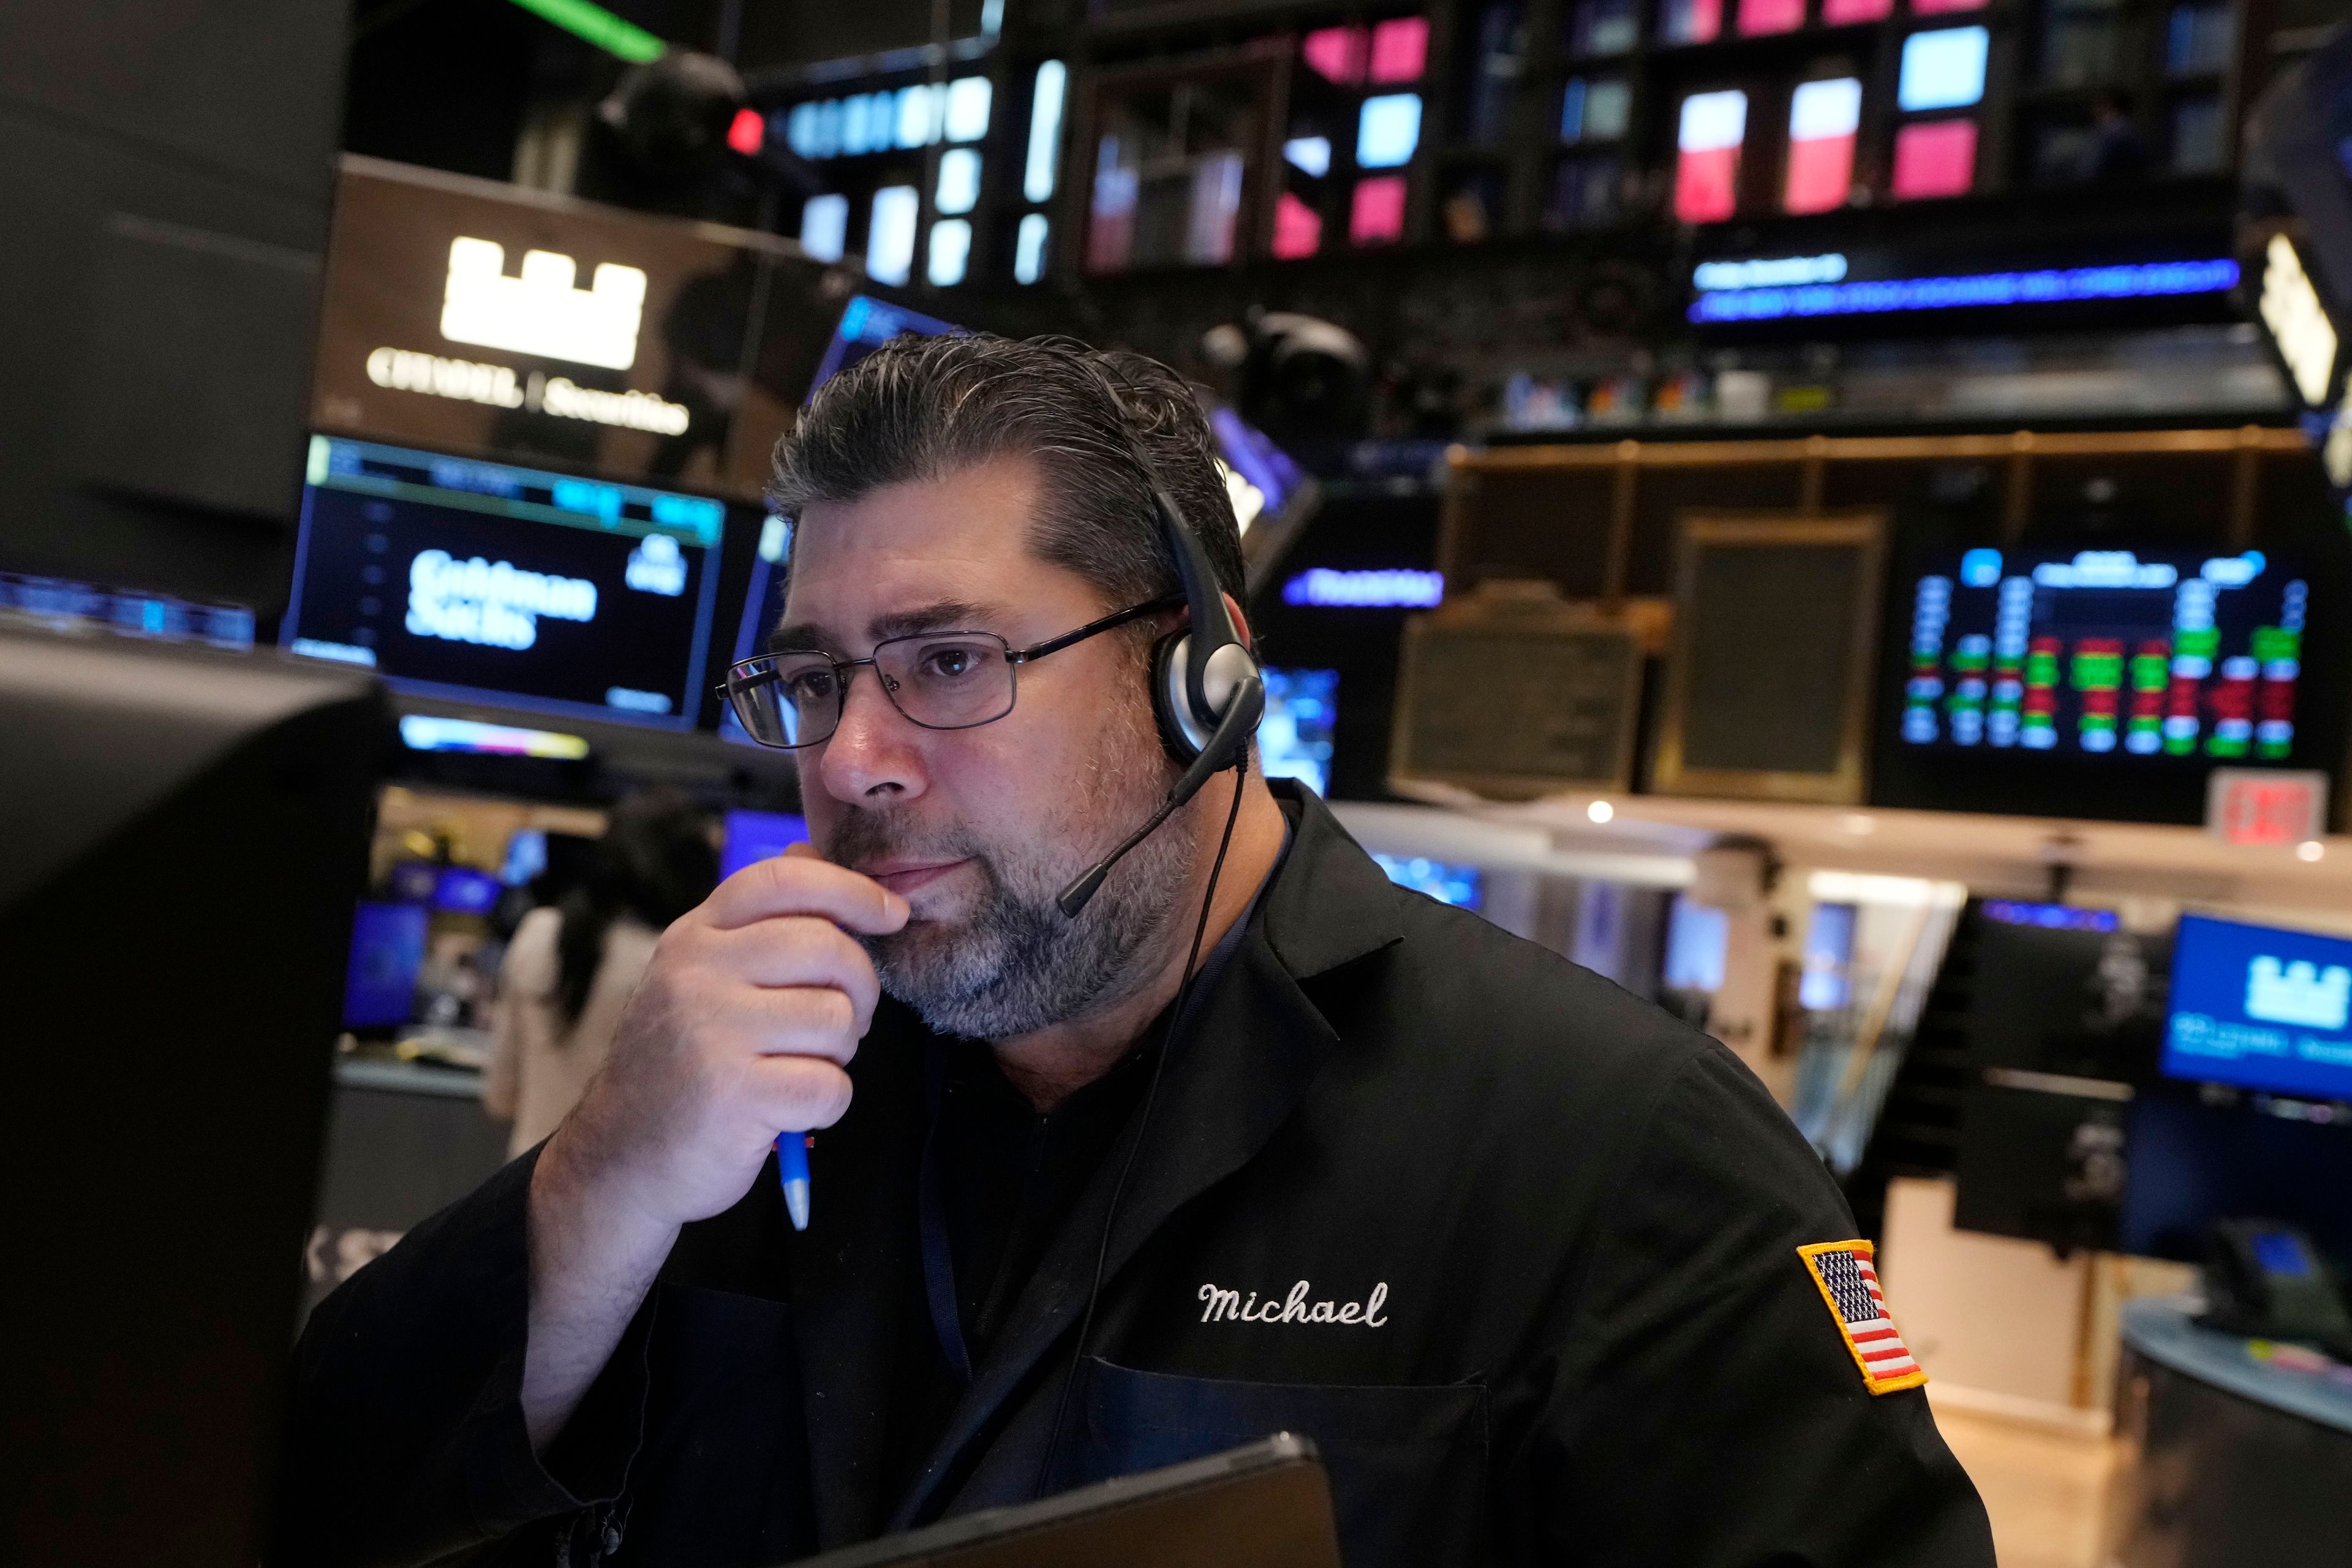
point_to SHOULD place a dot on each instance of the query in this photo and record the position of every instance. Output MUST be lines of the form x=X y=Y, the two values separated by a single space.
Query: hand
x=752 y=1006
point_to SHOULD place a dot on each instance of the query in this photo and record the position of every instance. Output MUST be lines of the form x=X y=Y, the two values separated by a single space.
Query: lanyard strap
x=939 y=1259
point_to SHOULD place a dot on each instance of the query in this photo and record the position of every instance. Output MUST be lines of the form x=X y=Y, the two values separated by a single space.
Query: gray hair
x=922 y=408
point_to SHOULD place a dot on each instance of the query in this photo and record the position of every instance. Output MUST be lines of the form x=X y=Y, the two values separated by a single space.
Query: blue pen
x=792 y=1170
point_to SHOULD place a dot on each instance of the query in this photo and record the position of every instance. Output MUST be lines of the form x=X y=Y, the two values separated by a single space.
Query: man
x=1518 y=1252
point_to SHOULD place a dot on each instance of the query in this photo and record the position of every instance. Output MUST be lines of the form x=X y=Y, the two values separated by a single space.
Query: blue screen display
x=2260 y=1008
x=755 y=835
x=1295 y=737
x=387 y=949
x=462 y=891
x=1461 y=886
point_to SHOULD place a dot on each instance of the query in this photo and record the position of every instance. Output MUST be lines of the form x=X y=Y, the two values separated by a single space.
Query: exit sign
x=2258 y=806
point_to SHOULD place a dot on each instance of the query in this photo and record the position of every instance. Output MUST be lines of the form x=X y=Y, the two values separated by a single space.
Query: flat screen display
x=2260 y=1008
x=1295 y=737
x=755 y=836
x=484 y=582
x=387 y=949
x=2106 y=653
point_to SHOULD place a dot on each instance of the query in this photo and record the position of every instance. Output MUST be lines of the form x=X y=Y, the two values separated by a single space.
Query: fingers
x=798 y=950
x=797 y=1021
x=797 y=1093
x=791 y=884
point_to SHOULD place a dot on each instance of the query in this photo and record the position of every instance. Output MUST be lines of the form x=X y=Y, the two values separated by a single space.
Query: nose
x=874 y=754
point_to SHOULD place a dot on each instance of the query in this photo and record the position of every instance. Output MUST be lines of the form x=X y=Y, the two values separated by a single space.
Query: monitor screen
x=463 y=890
x=866 y=325
x=2260 y=1008
x=2106 y=653
x=483 y=581
x=1295 y=737
x=755 y=835
x=387 y=949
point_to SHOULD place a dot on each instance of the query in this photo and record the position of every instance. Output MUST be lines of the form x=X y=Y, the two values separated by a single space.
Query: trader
x=1547 y=1276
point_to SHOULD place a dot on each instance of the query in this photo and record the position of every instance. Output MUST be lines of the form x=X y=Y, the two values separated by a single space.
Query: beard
x=1013 y=964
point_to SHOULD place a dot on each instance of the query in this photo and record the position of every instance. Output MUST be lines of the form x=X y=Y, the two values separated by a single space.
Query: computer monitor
x=755 y=836
x=387 y=952
x=482 y=582
x=866 y=324
x=2262 y=1008
x=1293 y=738
x=184 y=835
x=2105 y=682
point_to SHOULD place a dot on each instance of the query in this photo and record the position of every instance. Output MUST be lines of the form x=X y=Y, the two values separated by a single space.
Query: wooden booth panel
x=1552 y=524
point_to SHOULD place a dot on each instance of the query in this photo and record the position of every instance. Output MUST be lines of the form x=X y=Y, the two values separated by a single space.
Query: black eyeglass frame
x=741 y=675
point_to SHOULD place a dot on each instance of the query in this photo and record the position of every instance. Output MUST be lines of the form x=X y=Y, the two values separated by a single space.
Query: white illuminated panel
x=825 y=226
x=541 y=312
x=967 y=112
x=1029 y=249
x=1943 y=69
x=1388 y=131
x=2298 y=323
x=890 y=235
x=951 y=249
x=1044 y=131
x=959 y=186
x=1309 y=154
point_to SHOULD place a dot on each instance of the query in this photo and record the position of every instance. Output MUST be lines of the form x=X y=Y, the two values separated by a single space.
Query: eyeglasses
x=939 y=681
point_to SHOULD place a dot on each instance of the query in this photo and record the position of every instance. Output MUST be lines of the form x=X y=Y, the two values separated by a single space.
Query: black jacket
x=1528 y=1249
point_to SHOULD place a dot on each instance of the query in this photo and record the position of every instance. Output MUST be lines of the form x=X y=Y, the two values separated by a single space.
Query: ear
x=1241 y=622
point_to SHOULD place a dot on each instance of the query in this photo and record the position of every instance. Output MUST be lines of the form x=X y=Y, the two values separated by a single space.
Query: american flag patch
x=1848 y=1280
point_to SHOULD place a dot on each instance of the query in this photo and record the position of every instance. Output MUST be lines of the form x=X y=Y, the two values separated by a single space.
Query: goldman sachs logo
x=539 y=313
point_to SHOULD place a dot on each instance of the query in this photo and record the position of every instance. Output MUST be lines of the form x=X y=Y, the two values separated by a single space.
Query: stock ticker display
x=2103 y=653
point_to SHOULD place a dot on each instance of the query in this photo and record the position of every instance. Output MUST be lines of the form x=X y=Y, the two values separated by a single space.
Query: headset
x=1208 y=695
x=1206 y=689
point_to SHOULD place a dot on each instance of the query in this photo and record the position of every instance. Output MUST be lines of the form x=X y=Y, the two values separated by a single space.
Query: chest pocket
x=1408 y=1465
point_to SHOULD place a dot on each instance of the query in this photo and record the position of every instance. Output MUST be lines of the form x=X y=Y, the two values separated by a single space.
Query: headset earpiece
x=1199 y=671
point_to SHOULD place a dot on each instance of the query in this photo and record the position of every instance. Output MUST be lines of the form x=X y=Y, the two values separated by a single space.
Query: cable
x=1142 y=1131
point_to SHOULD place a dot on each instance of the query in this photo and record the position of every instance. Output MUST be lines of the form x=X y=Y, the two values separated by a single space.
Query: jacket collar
x=1241 y=1069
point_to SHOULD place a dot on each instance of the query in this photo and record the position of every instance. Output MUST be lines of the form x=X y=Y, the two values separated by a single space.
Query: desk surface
x=2163 y=1330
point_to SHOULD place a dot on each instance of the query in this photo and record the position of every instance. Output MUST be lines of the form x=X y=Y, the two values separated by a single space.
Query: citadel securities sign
x=474 y=318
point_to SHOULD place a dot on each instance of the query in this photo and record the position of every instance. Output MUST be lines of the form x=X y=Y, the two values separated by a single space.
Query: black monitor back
x=183 y=837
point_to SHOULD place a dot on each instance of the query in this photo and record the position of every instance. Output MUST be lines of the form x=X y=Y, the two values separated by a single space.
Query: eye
x=808 y=683
x=949 y=661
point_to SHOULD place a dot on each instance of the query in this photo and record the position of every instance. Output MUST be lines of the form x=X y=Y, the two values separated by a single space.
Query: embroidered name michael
x=1225 y=1306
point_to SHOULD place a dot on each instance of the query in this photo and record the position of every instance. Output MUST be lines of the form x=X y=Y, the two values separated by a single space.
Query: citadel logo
x=2299 y=993
x=541 y=312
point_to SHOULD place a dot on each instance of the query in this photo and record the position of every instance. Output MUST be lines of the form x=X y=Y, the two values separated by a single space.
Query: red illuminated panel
x=1706 y=168
x=1759 y=17
x=1935 y=158
x=1377 y=217
x=1298 y=227
x=1823 y=118
x=1845 y=12
x=747 y=131
x=1399 y=50
x=1940 y=7
x=1336 y=54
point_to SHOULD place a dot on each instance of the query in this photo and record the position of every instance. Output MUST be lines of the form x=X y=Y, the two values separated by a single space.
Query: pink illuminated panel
x=1845 y=12
x=1399 y=50
x=1298 y=227
x=1378 y=215
x=1690 y=21
x=1935 y=158
x=1939 y=7
x=1336 y=54
x=1759 y=17
x=1823 y=118
x=1707 y=171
